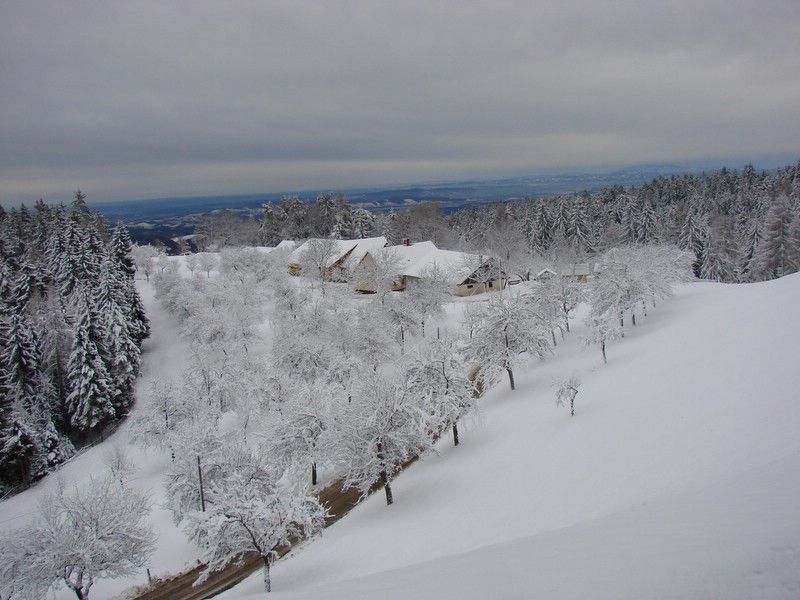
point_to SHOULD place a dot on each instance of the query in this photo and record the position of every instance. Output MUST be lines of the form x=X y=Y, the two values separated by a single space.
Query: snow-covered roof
x=544 y=271
x=363 y=246
x=404 y=256
x=414 y=260
x=286 y=245
x=356 y=248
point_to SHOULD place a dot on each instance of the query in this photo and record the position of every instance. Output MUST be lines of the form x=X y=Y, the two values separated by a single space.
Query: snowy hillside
x=678 y=476
x=164 y=354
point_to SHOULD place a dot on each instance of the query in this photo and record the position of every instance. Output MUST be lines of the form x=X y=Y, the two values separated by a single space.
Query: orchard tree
x=438 y=375
x=96 y=531
x=384 y=426
x=602 y=329
x=509 y=328
x=566 y=391
x=255 y=508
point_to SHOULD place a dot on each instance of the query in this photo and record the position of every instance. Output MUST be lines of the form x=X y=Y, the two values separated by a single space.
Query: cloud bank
x=137 y=99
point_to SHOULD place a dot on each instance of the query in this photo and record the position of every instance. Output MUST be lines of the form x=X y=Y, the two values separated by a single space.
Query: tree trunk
x=455 y=434
x=511 y=378
x=603 y=349
x=387 y=488
x=202 y=492
x=423 y=327
x=553 y=333
x=267 y=582
x=313 y=473
x=384 y=477
x=633 y=318
x=572 y=406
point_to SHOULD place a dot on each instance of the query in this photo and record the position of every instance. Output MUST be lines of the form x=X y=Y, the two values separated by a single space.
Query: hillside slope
x=678 y=476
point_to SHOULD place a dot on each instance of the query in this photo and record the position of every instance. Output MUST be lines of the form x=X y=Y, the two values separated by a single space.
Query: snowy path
x=689 y=434
x=164 y=356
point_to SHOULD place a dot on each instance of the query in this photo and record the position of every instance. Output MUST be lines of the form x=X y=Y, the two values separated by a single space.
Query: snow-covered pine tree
x=27 y=400
x=778 y=248
x=120 y=248
x=90 y=400
x=363 y=223
x=748 y=242
x=693 y=236
x=647 y=224
x=114 y=326
x=716 y=262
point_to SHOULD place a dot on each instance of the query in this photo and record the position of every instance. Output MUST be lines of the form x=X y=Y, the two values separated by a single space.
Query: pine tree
x=123 y=352
x=748 y=250
x=715 y=263
x=693 y=236
x=777 y=250
x=120 y=248
x=90 y=401
x=27 y=396
x=542 y=228
x=648 y=224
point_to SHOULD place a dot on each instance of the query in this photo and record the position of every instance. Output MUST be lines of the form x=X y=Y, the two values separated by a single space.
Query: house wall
x=472 y=289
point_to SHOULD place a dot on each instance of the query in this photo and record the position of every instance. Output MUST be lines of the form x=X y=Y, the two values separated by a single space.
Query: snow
x=164 y=354
x=404 y=257
x=286 y=245
x=456 y=266
x=357 y=249
x=417 y=259
x=678 y=476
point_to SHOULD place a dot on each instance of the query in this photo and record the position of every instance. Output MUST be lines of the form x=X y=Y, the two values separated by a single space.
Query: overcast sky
x=146 y=99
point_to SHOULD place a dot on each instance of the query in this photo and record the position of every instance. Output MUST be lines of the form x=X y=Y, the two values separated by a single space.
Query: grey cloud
x=157 y=98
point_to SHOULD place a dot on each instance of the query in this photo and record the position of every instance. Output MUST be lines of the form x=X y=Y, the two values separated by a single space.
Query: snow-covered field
x=677 y=478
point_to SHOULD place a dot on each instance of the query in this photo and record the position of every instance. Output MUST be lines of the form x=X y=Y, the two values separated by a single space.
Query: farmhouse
x=580 y=272
x=464 y=274
x=337 y=257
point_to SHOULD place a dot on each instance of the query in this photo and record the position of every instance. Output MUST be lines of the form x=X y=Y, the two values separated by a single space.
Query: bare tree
x=566 y=390
x=97 y=531
x=318 y=258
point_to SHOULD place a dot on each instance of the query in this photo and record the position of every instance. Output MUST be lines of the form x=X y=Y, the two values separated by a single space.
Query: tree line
x=71 y=325
x=740 y=225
